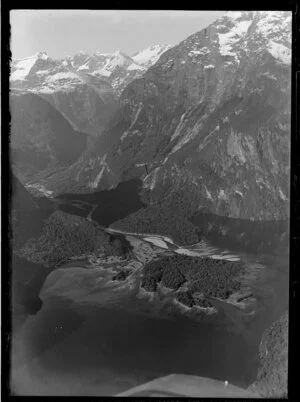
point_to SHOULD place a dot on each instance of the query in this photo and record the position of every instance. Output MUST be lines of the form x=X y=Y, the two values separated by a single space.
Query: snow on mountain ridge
x=216 y=117
x=233 y=14
x=62 y=76
x=227 y=40
x=271 y=31
x=99 y=65
x=117 y=67
x=150 y=55
x=280 y=52
x=23 y=66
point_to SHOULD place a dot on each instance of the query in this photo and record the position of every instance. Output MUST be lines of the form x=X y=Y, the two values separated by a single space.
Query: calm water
x=112 y=204
x=105 y=345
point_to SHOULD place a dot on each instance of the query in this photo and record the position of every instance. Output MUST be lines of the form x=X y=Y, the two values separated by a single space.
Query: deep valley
x=149 y=218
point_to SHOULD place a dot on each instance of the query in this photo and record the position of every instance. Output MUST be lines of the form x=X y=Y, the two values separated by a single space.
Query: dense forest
x=272 y=376
x=190 y=300
x=205 y=276
x=169 y=217
x=242 y=234
x=177 y=214
x=186 y=298
x=27 y=214
x=122 y=275
x=64 y=236
x=152 y=275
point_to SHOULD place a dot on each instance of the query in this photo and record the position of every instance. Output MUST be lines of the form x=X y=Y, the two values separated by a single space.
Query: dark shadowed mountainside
x=86 y=101
x=211 y=117
x=27 y=213
x=41 y=139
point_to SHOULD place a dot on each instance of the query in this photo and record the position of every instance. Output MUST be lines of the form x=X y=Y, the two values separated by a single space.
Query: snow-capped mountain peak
x=149 y=56
x=117 y=68
x=101 y=54
x=220 y=100
x=233 y=14
x=216 y=104
x=251 y=32
x=42 y=55
x=118 y=53
x=92 y=80
x=118 y=59
x=22 y=67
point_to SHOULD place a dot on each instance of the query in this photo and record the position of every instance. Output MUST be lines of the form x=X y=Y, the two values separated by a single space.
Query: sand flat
x=156 y=241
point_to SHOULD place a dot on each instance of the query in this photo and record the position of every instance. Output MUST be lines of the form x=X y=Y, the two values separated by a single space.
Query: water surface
x=95 y=341
x=112 y=204
x=112 y=343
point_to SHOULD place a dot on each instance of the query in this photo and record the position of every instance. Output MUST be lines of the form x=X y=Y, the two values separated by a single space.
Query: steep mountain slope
x=41 y=139
x=211 y=117
x=86 y=101
x=148 y=57
x=84 y=88
x=117 y=68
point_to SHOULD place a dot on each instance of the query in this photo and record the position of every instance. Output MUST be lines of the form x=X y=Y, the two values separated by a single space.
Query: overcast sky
x=65 y=32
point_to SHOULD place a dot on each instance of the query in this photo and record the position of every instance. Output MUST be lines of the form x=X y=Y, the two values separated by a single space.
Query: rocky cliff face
x=118 y=69
x=211 y=117
x=41 y=139
x=148 y=57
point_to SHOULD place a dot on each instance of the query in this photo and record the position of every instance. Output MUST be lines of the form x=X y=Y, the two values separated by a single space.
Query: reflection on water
x=112 y=204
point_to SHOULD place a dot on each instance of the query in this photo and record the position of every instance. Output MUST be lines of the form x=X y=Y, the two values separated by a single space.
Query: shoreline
x=112 y=265
x=185 y=309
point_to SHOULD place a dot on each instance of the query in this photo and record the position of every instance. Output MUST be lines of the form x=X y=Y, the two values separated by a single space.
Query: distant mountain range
x=84 y=88
x=210 y=117
x=45 y=75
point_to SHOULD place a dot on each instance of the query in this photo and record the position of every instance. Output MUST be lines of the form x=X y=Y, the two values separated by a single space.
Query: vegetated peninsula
x=201 y=278
x=166 y=215
x=58 y=237
x=65 y=236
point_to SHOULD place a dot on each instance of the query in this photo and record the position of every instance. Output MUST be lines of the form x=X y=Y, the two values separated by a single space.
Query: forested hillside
x=166 y=216
x=66 y=236
x=272 y=375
